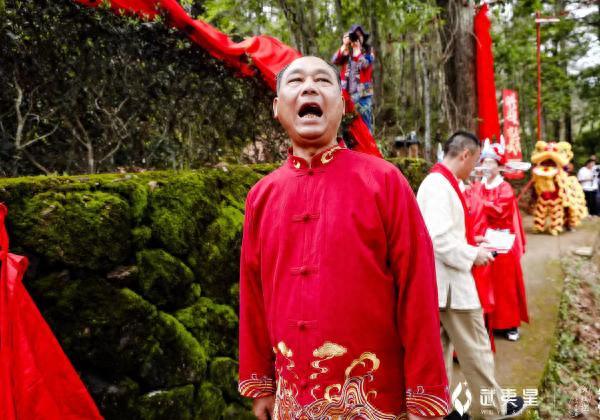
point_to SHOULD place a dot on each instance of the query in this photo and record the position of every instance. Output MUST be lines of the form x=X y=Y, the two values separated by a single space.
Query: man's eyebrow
x=320 y=71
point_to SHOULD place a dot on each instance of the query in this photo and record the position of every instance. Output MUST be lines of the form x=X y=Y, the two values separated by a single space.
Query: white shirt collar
x=495 y=183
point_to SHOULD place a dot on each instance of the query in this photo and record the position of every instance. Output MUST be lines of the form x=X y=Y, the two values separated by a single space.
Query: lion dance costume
x=558 y=194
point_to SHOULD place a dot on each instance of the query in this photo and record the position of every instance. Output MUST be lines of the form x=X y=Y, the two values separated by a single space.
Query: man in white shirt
x=456 y=252
x=588 y=178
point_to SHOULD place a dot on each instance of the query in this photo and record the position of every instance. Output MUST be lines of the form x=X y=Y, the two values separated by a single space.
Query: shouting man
x=338 y=304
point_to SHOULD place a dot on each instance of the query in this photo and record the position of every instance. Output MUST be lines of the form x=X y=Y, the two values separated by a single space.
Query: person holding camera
x=355 y=57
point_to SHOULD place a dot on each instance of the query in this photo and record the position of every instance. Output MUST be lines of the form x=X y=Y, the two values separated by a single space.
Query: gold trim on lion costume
x=557 y=192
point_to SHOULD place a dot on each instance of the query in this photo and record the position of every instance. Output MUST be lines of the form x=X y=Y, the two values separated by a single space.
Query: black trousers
x=590 y=201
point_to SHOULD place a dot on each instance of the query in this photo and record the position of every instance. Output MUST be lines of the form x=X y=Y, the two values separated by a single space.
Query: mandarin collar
x=320 y=159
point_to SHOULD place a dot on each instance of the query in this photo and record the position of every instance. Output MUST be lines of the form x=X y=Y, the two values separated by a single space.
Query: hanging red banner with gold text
x=511 y=129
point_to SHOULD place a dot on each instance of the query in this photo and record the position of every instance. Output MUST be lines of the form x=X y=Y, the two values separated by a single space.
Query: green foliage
x=569 y=94
x=415 y=170
x=98 y=91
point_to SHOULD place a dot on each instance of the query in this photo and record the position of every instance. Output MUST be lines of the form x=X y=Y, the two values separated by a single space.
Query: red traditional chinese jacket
x=338 y=299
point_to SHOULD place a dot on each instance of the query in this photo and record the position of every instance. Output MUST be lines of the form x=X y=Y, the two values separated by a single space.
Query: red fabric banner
x=487 y=107
x=261 y=53
x=37 y=381
x=511 y=130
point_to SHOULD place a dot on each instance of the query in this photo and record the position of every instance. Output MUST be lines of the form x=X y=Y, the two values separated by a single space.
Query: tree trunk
x=378 y=63
x=568 y=126
x=339 y=11
x=459 y=44
x=556 y=129
x=426 y=104
x=303 y=27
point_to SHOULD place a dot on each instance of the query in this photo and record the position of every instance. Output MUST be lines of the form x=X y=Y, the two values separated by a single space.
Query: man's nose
x=309 y=87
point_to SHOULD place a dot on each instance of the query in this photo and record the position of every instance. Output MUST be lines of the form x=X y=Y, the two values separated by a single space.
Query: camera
x=353 y=36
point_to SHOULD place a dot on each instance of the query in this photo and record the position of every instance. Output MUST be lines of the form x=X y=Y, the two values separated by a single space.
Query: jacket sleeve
x=410 y=256
x=452 y=250
x=256 y=371
x=338 y=57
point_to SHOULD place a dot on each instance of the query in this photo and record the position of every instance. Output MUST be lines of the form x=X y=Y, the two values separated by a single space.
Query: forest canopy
x=87 y=91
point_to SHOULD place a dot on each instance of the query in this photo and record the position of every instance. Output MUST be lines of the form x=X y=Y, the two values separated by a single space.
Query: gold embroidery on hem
x=341 y=401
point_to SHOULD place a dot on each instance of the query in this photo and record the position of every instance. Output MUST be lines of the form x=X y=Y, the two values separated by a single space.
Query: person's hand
x=480 y=239
x=346 y=40
x=263 y=407
x=356 y=48
x=484 y=257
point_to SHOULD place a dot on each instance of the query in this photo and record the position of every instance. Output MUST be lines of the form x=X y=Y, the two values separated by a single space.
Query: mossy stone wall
x=137 y=276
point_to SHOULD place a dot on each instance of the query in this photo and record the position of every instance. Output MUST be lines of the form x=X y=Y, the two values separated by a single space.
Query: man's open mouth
x=310 y=110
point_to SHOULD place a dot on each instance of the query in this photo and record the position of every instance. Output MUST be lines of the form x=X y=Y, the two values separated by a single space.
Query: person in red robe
x=482 y=273
x=338 y=301
x=502 y=213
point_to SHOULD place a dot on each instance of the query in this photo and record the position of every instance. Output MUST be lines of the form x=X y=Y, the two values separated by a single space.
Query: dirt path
x=521 y=364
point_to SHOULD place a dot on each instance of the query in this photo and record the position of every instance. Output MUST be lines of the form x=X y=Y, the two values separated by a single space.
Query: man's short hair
x=460 y=141
x=279 y=76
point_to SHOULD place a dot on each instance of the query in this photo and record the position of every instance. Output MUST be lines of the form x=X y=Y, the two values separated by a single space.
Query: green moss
x=141 y=236
x=209 y=402
x=168 y=404
x=213 y=325
x=217 y=261
x=116 y=399
x=177 y=358
x=97 y=324
x=164 y=279
x=234 y=295
x=237 y=412
x=117 y=332
x=224 y=374
x=413 y=169
x=81 y=229
x=181 y=210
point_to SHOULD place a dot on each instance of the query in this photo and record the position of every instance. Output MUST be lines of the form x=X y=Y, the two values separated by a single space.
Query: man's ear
x=275 y=103
x=466 y=154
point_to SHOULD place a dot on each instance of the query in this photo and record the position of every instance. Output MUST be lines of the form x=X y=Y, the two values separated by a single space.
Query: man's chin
x=310 y=136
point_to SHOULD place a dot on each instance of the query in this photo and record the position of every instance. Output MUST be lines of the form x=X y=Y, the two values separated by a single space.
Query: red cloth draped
x=37 y=380
x=481 y=274
x=487 y=107
x=264 y=53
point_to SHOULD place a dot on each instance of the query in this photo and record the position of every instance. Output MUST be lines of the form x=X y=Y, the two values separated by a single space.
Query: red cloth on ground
x=264 y=53
x=487 y=107
x=507 y=276
x=37 y=381
x=338 y=277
